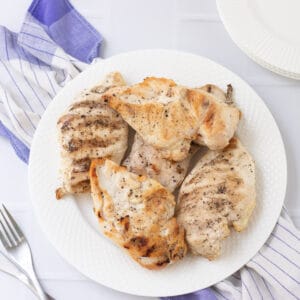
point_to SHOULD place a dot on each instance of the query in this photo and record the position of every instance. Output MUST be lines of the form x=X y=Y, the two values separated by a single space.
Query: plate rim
x=284 y=185
x=249 y=48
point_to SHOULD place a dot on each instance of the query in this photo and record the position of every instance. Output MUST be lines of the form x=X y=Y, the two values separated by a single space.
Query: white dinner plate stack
x=267 y=31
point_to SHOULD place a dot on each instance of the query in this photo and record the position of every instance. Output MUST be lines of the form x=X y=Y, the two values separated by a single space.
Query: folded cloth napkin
x=55 y=43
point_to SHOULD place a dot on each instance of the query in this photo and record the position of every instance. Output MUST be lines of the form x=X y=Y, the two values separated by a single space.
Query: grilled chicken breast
x=146 y=160
x=168 y=116
x=217 y=194
x=137 y=213
x=89 y=129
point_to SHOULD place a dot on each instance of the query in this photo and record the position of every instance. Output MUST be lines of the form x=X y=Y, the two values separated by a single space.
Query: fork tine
x=16 y=239
x=4 y=241
x=14 y=223
x=7 y=235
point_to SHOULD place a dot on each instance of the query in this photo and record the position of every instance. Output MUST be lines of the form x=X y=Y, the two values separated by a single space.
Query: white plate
x=267 y=31
x=70 y=225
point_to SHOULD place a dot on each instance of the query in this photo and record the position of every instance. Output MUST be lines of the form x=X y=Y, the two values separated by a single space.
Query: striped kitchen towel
x=55 y=43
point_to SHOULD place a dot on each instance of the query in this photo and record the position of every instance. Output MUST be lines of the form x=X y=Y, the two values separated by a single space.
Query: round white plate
x=70 y=224
x=267 y=31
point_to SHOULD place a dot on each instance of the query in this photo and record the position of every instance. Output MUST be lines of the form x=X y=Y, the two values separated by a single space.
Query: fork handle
x=39 y=290
x=29 y=279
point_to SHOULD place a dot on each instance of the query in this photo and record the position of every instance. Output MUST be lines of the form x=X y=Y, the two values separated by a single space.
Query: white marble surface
x=188 y=25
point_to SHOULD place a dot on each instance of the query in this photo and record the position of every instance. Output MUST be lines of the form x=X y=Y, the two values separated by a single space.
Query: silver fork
x=18 y=250
x=18 y=273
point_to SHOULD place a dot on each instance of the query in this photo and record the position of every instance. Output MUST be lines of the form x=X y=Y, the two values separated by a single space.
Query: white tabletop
x=188 y=25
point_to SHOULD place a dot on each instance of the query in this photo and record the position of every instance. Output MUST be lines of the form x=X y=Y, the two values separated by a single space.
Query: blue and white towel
x=55 y=43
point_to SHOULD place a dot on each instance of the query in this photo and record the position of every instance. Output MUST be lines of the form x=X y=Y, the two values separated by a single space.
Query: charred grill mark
x=179 y=255
x=79 y=144
x=65 y=120
x=206 y=196
x=126 y=226
x=81 y=165
x=88 y=103
x=66 y=126
x=78 y=177
x=125 y=222
x=149 y=251
x=139 y=241
x=82 y=186
x=164 y=262
x=85 y=121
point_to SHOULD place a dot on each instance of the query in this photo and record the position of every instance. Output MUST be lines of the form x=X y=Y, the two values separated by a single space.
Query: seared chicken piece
x=218 y=93
x=169 y=116
x=137 y=213
x=89 y=129
x=220 y=96
x=146 y=160
x=217 y=194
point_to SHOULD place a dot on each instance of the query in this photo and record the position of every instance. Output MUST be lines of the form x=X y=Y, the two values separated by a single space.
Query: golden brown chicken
x=137 y=213
x=169 y=116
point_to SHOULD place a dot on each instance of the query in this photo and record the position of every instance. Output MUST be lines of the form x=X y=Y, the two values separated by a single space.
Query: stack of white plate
x=268 y=31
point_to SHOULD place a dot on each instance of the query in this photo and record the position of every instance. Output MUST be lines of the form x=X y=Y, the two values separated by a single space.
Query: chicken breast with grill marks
x=169 y=116
x=146 y=160
x=137 y=213
x=217 y=194
x=89 y=129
